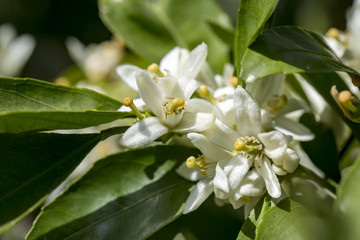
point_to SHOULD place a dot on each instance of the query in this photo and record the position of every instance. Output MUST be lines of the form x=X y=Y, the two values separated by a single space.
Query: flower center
x=276 y=103
x=173 y=105
x=248 y=145
x=192 y=162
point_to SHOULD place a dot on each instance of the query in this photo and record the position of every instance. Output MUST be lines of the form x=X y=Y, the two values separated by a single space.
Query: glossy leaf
x=291 y=220
x=251 y=17
x=290 y=49
x=33 y=164
x=152 y=28
x=248 y=229
x=119 y=196
x=347 y=204
x=29 y=104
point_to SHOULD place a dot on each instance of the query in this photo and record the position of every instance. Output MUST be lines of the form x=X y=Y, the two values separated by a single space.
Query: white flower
x=177 y=63
x=96 y=60
x=14 y=51
x=240 y=162
x=174 y=111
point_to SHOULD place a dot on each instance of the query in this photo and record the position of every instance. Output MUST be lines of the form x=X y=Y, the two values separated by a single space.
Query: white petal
x=194 y=122
x=170 y=87
x=195 y=61
x=236 y=170
x=127 y=73
x=262 y=89
x=150 y=92
x=263 y=166
x=199 y=105
x=237 y=203
x=278 y=171
x=211 y=152
x=227 y=92
x=222 y=135
x=189 y=88
x=295 y=129
x=225 y=112
x=221 y=184
x=199 y=194
x=170 y=62
x=143 y=132
x=192 y=174
x=252 y=185
x=247 y=113
x=275 y=143
x=290 y=160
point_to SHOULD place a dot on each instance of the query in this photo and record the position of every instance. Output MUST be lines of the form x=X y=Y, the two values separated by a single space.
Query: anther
x=333 y=33
x=233 y=81
x=191 y=162
x=128 y=102
x=154 y=68
x=204 y=92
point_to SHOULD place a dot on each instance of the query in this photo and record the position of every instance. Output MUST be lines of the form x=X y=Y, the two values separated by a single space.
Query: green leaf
x=347 y=204
x=153 y=28
x=29 y=104
x=289 y=49
x=116 y=198
x=291 y=220
x=33 y=164
x=248 y=229
x=327 y=161
x=251 y=17
x=227 y=35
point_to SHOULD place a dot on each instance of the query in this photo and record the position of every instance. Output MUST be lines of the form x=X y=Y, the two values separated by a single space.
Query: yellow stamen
x=191 y=162
x=154 y=68
x=333 y=33
x=345 y=99
x=204 y=92
x=176 y=103
x=128 y=102
x=233 y=81
x=239 y=145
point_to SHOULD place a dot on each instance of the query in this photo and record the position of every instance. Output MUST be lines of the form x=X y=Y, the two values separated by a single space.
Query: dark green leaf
x=33 y=164
x=327 y=161
x=248 y=229
x=347 y=204
x=252 y=16
x=29 y=104
x=152 y=28
x=291 y=220
x=108 y=197
x=289 y=49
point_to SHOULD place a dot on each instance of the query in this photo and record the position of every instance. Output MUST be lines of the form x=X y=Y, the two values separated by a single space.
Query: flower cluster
x=242 y=133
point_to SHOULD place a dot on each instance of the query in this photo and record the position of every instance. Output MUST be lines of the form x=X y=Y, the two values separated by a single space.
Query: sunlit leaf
x=152 y=28
x=251 y=17
x=29 y=104
x=290 y=49
x=120 y=196
x=291 y=220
